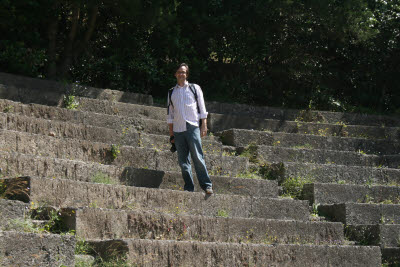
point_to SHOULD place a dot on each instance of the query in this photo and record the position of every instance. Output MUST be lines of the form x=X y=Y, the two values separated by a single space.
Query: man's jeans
x=189 y=143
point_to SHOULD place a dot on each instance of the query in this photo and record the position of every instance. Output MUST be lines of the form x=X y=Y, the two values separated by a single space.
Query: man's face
x=181 y=74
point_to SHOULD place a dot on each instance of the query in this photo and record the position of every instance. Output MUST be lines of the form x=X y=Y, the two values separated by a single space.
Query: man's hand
x=203 y=130
x=172 y=139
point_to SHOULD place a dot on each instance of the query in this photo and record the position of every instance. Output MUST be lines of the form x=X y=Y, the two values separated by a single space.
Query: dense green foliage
x=325 y=54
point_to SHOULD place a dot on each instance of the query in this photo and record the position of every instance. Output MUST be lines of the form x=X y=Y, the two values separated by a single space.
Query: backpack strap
x=170 y=91
x=193 y=89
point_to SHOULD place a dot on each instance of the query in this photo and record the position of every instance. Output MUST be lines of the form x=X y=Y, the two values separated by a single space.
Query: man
x=184 y=113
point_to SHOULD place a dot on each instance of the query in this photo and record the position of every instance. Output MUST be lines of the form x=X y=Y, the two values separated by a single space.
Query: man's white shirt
x=184 y=107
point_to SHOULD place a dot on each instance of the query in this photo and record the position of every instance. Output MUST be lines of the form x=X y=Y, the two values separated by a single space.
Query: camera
x=173 y=147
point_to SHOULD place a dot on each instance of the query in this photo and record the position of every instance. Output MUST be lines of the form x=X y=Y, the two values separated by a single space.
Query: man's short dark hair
x=183 y=65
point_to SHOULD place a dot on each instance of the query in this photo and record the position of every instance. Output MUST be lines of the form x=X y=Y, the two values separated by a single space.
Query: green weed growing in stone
x=222 y=213
x=314 y=211
x=55 y=223
x=341 y=123
x=22 y=225
x=82 y=247
x=276 y=143
x=361 y=152
x=393 y=183
x=2 y=189
x=293 y=186
x=228 y=153
x=323 y=132
x=369 y=182
x=382 y=221
x=387 y=201
x=82 y=263
x=341 y=182
x=113 y=262
x=70 y=102
x=271 y=171
x=305 y=146
x=368 y=199
x=250 y=152
x=270 y=239
x=115 y=151
x=8 y=109
x=102 y=178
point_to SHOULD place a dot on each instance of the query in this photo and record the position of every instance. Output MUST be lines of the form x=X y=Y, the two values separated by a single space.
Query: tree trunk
x=68 y=51
x=52 y=37
x=89 y=32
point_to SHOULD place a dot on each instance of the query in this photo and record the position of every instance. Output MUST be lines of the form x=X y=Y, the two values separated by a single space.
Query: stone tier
x=342 y=193
x=91 y=223
x=192 y=253
x=66 y=193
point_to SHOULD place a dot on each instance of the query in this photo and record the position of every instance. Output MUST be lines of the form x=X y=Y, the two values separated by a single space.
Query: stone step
x=383 y=235
x=342 y=193
x=333 y=173
x=221 y=184
x=90 y=223
x=20 y=87
x=66 y=193
x=11 y=209
x=30 y=249
x=121 y=109
x=219 y=122
x=303 y=115
x=31 y=90
x=125 y=136
x=360 y=213
x=108 y=154
x=391 y=256
x=15 y=164
x=159 y=126
x=144 y=252
x=87 y=118
x=242 y=138
x=273 y=154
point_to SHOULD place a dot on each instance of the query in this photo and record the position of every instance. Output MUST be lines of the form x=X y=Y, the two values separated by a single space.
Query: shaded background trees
x=331 y=55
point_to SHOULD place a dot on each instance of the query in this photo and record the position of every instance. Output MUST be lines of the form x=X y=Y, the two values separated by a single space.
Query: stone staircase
x=292 y=188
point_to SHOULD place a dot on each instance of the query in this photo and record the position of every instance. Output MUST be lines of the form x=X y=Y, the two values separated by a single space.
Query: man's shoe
x=209 y=191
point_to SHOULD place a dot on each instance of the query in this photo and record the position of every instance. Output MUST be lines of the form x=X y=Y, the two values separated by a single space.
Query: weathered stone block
x=13 y=164
x=122 y=109
x=12 y=209
x=293 y=114
x=283 y=154
x=333 y=173
x=221 y=184
x=343 y=193
x=67 y=193
x=355 y=213
x=241 y=137
x=220 y=122
x=190 y=253
x=104 y=224
x=28 y=249
x=101 y=152
x=383 y=235
x=31 y=90
x=391 y=256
